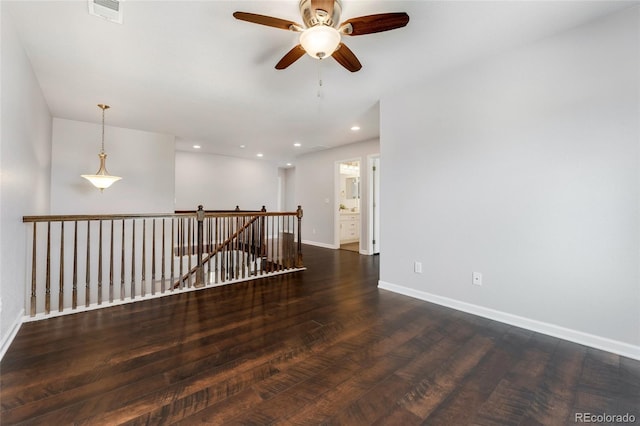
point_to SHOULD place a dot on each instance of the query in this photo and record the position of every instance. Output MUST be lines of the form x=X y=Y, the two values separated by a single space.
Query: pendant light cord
x=103 y=107
x=102 y=146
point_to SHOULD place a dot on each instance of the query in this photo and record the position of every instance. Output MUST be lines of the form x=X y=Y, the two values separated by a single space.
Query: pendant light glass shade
x=102 y=179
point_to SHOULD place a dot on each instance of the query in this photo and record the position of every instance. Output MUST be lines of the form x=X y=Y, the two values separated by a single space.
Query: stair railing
x=102 y=260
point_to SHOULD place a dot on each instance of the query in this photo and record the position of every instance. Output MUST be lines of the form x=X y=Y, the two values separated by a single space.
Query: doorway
x=349 y=196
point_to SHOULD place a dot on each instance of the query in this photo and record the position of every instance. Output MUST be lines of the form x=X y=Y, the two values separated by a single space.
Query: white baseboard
x=603 y=343
x=8 y=339
x=323 y=245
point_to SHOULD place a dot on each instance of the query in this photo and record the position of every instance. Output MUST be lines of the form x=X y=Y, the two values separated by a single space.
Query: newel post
x=200 y=249
x=263 y=233
x=299 y=263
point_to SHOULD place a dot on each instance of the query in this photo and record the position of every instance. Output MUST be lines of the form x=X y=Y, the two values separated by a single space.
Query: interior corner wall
x=314 y=190
x=25 y=152
x=144 y=160
x=524 y=167
x=221 y=182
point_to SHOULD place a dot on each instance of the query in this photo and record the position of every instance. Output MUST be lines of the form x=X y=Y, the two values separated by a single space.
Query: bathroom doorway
x=349 y=203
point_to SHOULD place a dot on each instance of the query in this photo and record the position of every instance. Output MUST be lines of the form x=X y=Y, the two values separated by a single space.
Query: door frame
x=373 y=219
x=336 y=198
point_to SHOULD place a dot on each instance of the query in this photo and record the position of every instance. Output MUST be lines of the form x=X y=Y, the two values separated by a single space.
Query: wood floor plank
x=203 y=354
x=432 y=390
x=321 y=346
x=313 y=380
x=370 y=406
x=371 y=370
x=185 y=405
x=240 y=366
x=553 y=397
x=514 y=397
x=462 y=404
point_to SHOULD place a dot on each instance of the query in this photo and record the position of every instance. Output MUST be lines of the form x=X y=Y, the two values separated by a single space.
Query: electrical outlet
x=417 y=267
x=476 y=278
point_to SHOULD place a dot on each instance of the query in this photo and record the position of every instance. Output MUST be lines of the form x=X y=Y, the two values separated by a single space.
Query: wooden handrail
x=91 y=217
x=236 y=210
x=85 y=217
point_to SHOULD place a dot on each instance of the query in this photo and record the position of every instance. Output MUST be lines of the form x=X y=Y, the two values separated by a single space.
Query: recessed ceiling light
x=297 y=144
x=259 y=154
x=243 y=146
x=289 y=164
x=355 y=128
x=196 y=146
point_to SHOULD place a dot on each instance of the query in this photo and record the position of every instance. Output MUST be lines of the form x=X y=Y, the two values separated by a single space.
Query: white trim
x=598 y=342
x=323 y=245
x=15 y=327
x=370 y=209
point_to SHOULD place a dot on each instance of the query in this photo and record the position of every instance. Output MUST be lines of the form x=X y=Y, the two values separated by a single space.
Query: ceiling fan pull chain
x=320 y=94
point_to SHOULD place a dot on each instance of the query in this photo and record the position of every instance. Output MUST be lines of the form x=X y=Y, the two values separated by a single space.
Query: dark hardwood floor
x=322 y=346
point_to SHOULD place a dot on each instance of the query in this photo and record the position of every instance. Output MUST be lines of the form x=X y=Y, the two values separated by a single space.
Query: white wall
x=144 y=160
x=282 y=189
x=524 y=167
x=290 y=189
x=315 y=190
x=222 y=183
x=25 y=153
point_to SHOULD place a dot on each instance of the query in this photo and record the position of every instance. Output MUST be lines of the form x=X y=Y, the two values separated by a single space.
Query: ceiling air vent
x=110 y=10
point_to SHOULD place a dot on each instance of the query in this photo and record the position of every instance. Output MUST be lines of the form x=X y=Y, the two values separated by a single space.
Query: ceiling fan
x=321 y=34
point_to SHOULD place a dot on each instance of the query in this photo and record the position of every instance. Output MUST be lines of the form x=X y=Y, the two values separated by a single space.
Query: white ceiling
x=189 y=69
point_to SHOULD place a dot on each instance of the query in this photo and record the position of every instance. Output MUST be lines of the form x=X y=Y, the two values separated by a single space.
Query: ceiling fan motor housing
x=320 y=16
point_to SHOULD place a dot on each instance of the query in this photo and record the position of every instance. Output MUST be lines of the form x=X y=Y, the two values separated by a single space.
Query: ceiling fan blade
x=269 y=21
x=374 y=23
x=345 y=57
x=293 y=55
x=326 y=5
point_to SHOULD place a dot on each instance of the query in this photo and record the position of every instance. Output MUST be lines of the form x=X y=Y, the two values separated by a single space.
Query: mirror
x=353 y=187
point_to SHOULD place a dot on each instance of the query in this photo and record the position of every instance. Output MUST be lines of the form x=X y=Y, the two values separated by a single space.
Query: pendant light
x=102 y=179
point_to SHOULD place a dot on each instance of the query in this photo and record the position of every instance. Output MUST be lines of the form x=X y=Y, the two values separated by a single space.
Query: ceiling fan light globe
x=320 y=41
